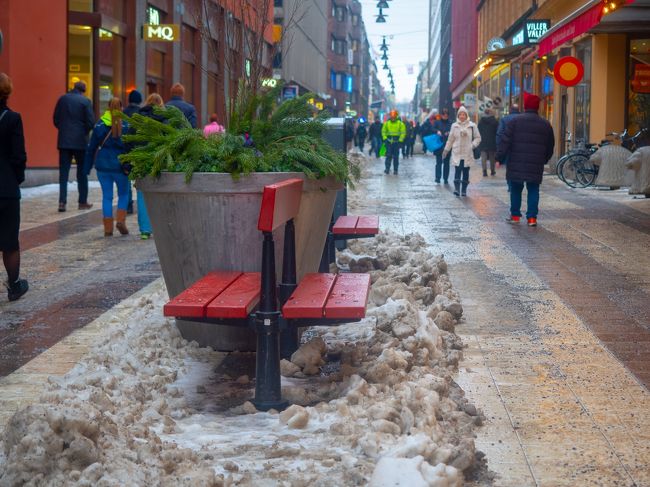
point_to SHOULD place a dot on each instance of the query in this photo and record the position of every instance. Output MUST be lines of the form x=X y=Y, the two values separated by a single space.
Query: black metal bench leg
x=268 y=390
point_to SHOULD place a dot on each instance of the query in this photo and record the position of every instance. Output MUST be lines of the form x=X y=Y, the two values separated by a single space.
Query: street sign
x=469 y=99
x=568 y=71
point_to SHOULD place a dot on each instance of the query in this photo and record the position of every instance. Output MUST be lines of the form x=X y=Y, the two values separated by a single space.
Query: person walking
x=406 y=146
x=362 y=133
x=73 y=117
x=12 y=173
x=514 y=111
x=393 y=134
x=213 y=127
x=103 y=150
x=527 y=143
x=464 y=137
x=442 y=127
x=134 y=102
x=427 y=129
x=144 y=224
x=374 y=134
x=487 y=126
x=177 y=100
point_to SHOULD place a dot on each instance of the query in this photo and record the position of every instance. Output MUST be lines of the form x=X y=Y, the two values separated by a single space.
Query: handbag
x=433 y=142
x=476 y=152
x=382 y=150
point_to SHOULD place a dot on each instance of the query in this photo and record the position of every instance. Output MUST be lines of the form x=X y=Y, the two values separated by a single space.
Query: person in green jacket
x=393 y=134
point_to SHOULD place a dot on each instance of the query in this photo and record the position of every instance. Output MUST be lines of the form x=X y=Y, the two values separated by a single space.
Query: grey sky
x=408 y=22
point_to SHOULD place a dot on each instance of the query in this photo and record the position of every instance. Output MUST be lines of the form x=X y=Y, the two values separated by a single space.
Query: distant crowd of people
x=88 y=143
x=523 y=142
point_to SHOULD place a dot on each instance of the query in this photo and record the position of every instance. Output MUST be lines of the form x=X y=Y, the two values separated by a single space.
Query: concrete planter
x=211 y=223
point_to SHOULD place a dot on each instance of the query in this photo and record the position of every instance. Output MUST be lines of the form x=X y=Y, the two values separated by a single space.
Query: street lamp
x=381 y=18
x=385 y=66
x=383 y=4
x=384 y=46
x=384 y=57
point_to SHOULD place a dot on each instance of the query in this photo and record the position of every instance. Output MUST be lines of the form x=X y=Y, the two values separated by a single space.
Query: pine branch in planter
x=288 y=138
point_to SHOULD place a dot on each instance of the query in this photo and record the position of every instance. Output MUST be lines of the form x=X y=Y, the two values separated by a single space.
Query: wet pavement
x=556 y=322
x=75 y=275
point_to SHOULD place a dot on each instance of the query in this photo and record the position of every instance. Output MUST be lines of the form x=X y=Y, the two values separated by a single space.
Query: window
x=583 y=93
x=339 y=13
x=277 y=3
x=338 y=45
x=638 y=113
x=355 y=19
x=113 y=8
x=187 y=80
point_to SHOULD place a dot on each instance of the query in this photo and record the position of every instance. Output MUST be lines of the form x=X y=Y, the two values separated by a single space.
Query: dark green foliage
x=287 y=137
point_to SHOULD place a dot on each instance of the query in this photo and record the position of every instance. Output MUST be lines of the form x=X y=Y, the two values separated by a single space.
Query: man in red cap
x=527 y=143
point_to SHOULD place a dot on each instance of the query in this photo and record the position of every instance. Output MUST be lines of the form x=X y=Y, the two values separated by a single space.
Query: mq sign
x=161 y=32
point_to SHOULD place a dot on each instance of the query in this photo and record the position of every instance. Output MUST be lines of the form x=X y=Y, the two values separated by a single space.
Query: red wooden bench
x=252 y=299
x=347 y=227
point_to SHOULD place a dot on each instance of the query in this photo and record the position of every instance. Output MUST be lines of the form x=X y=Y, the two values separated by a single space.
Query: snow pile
x=383 y=410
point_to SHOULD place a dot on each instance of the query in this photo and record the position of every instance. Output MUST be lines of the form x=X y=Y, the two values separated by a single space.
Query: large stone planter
x=211 y=223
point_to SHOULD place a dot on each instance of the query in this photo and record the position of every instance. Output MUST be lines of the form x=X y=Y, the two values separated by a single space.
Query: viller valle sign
x=531 y=33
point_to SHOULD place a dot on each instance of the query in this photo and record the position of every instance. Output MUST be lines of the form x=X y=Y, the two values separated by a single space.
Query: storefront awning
x=579 y=22
x=633 y=18
x=507 y=53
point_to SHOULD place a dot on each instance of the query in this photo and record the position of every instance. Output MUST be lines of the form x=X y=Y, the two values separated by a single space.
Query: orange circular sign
x=568 y=71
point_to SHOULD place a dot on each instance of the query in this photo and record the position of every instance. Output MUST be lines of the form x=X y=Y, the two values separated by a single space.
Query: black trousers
x=392 y=154
x=9 y=224
x=65 y=162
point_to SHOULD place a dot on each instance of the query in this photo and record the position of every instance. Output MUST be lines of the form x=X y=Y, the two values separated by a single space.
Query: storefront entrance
x=638 y=113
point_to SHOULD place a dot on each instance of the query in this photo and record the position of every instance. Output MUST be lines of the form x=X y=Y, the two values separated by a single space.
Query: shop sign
x=532 y=32
x=495 y=43
x=641 y=81
x=289 y=92
x=568 y=71
x=161 y=32
x=469 y=99
x=269 y=82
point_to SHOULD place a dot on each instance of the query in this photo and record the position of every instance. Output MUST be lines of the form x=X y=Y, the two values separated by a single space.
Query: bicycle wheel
x=559 y=165
x=586 y=173
x=572 y=170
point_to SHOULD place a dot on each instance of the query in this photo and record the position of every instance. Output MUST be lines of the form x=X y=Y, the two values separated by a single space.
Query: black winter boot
x=457 y=188
x=463 y=191
x=16 y=289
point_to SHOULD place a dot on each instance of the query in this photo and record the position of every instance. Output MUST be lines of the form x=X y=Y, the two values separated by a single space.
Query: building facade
x=464 y=44
x=432 y=76
x=301 y=56
x=348 y=60
x=612 y=44
x=446 y=60
x=203 y=44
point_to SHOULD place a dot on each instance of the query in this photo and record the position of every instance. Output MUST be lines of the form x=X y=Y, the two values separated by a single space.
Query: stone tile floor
x=556 y=317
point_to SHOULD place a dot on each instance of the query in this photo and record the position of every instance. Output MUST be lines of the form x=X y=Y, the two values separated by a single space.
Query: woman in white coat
x=463 y=138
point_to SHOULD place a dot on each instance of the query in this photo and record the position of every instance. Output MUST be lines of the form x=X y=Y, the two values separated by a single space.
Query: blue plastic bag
x=433 y=142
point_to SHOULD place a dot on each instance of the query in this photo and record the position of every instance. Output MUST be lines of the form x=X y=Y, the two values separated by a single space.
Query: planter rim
x=220 y=182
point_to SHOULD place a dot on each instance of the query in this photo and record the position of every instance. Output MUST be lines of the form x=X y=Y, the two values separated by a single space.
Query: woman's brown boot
x=108 y=227
x=121 y=222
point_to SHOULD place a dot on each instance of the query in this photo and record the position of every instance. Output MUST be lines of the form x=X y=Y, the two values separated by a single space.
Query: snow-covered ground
x=51 y=189
x=383 y=411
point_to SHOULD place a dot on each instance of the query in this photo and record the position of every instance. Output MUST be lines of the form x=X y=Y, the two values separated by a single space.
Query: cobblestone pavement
x=556 y=320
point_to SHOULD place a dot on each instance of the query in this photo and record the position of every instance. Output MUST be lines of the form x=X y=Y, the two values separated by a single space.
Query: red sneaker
x=532 y=222
x=513 y=219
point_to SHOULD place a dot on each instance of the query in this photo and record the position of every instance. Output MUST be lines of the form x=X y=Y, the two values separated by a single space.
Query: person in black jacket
x=427 y=129
x=134 y=102
x=375 y=136
x=362 y=133
x=12 y=174
x=178 y=92
x=488 y=126
x=442 y=127
x=527 y=142
x=73 y=116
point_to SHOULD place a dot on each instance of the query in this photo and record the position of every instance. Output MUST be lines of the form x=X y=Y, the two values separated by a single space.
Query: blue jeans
x=65 y=162
x=376 y=146
x=532 y=208
x=106 y=181
x=143 y=216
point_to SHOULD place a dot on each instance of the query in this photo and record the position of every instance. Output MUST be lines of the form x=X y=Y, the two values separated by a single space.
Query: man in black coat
x=527 y=142
x=73 y=116
x=12 y=173
x=487 y=127
x=427 y=129
x=178 y=92
x=375 y=136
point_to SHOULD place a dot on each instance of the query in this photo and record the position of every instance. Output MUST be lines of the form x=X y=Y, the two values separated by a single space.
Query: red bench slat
x=192 y=302
x=345 y=224
x=349 y=296
x=238 y=299
x=280 y=203
x=367 y=225
x=309 y=298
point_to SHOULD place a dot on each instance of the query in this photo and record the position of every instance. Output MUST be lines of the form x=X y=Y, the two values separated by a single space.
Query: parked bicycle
x=576 y=168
